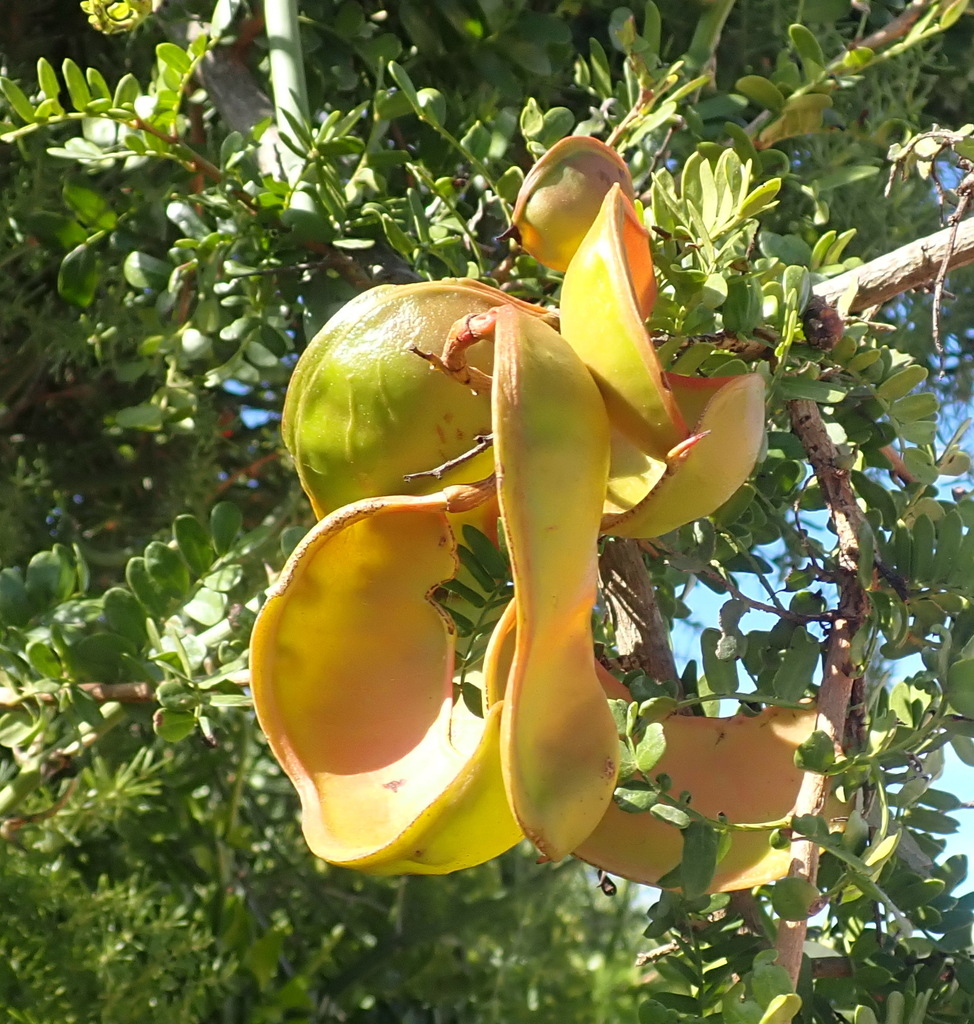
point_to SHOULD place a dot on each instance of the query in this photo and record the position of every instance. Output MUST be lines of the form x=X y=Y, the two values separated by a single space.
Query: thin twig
x=482 y=443
x=964 y=190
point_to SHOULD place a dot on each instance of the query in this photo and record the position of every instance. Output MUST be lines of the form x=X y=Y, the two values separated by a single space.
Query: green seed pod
x=363 y=411
x=562 y=195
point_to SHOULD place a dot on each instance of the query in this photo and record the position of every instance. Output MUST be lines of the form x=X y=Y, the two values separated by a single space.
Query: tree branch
x=910 y=266
x=642 y=637
x=840 y=670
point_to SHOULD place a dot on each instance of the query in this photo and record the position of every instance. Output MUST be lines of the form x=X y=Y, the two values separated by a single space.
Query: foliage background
x=159 y=279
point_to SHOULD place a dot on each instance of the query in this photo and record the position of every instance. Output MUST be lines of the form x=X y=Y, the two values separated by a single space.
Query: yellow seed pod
x=562 y=195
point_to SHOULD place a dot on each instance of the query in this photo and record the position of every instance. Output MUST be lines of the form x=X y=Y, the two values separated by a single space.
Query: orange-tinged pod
x=352 y=674
x=608 y=291
x=561 y=196
x=708 y=469
x=558 y=741
x=363 y=411
x=741 y=768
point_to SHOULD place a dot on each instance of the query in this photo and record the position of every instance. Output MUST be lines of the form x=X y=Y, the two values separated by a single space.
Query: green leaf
x=51 y=577
x=798 y=666
x=671 y=815
x=902 y=382
x=144 y=271
x=44 y=660
x=18 y=728
x=960 y=687
x=915 y=407
x=124 y=614
x=700 y=846
x=231 y=700
x=78 y=277
x=432 y=106
x=782 y=1009
x=207 y=607
x=951 y=13
x=761 y=91
x=97 y=84
x=140 y=417
x=489 y=557
x=127 y=92
x=15 y=608
x=174 y=56
x=816 y=753
x=90 y=206
x=650 y=748
x=813 y=390
x=812 y=826
x=635 y=796
x=47 y=79
x=405 y=83
x=792 y=898
x=99 y=658
x=194 y=543
x=806 y=45
x=172 y=725
x=802 y=116
x=790 y=249
x=721 y=674
x=225 y=522
x=844 y=176
x=167 y=569
x=18 y=100
x=77 y=86
x=143 y=587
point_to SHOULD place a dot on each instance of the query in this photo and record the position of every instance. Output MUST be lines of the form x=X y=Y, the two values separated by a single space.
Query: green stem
x=706 y=36
x=288 y=84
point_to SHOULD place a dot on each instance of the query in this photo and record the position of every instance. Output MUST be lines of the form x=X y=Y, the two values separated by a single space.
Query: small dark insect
x=822 y=324
x=606 y=884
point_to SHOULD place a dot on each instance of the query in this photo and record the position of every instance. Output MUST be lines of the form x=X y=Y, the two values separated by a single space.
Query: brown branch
x=911 y=266
x=642 y=638
x=896 y=29
x=840 y=671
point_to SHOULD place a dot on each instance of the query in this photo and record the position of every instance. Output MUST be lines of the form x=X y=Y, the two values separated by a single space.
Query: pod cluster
x=420 y=408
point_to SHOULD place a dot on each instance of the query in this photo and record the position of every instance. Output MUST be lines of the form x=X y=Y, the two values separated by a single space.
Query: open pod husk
x=741 y=768
x=352 y=669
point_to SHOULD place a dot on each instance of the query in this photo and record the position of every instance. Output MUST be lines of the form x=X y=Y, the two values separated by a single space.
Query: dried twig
x=482 y=442
x=964 y=195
